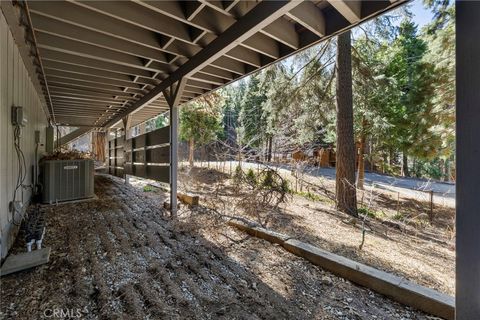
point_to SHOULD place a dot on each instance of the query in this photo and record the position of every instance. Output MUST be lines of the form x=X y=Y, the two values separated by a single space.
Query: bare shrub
x=267 y=191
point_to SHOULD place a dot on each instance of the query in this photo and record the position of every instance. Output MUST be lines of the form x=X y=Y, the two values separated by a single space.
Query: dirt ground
x=412 y=247
x=121 y=257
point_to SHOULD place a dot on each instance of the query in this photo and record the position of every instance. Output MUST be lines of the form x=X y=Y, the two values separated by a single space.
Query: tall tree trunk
x=385 y=161
x=446 y=172
x=406 y=173
x=98 y=145
x=345 y=176
x=415 y=169
x=269 y=152
x=239 y=154
x=191 y=151
x=442 y=165
x=370 y=156
x=361 y=161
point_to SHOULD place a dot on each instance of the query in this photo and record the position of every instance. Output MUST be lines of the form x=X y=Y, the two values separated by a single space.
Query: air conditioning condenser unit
x=65 y=180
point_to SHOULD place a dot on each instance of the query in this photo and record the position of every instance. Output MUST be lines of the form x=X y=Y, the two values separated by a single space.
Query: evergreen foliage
x=200 y=121
x=403 y=99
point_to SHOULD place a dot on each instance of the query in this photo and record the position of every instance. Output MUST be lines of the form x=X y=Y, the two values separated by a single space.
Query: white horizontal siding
x=16 y=88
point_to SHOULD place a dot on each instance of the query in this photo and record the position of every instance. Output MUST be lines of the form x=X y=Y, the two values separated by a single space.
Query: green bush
x=285 y=187
x=251 y=178
x=369 y=212
x=311 y=196
x=398 y=216
x=148 y=188
x=267 y=179
x=238 y=175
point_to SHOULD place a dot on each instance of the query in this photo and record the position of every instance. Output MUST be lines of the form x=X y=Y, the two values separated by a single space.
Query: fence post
x=431 y=205
x=398 y=203
x=296 y=181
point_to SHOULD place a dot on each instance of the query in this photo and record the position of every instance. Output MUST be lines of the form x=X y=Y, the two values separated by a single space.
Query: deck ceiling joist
x=111 y=59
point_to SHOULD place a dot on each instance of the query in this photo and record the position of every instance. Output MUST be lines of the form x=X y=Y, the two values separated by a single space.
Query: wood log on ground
x=188 y=199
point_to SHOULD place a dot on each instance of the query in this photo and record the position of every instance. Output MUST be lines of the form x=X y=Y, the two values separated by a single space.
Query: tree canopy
x=403 y=98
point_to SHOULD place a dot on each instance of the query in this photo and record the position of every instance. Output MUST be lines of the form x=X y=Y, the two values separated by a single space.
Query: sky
x=421 y=16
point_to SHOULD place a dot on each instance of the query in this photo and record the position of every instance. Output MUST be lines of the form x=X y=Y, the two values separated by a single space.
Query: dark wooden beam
x=72 y=136
x=262 y=15
x=468 y=160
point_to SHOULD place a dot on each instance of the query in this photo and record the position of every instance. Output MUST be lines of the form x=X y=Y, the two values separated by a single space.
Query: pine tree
x=410 y=110
x=252 y=130
x=200 y=122
x=345 y=174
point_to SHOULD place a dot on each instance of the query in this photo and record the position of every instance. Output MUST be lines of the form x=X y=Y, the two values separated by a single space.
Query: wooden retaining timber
x=188 y=199
x=397 y=288
x=260 y=232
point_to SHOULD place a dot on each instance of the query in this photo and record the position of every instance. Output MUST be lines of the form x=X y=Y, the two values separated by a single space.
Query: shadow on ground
x=120 y=256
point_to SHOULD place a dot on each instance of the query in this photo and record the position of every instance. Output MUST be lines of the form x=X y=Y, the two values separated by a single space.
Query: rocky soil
x=122 y=257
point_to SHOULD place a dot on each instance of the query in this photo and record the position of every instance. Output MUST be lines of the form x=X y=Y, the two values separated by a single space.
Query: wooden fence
x=115 y=156
x=146 y=156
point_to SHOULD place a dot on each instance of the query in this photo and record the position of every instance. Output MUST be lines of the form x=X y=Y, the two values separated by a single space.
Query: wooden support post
x=127 y=124
x=107 y=149
x=173 y=95
x=468 y=158
x=173 y=158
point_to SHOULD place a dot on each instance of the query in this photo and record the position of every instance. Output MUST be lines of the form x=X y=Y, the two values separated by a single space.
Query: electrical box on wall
x=18 y=116
x=49 y=134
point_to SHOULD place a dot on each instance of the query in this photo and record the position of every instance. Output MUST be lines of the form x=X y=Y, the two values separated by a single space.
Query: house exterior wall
x=16 y=88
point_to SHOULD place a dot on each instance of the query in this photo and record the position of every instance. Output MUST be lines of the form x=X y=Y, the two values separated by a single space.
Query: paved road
x=439 y=188
x=444 y=193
